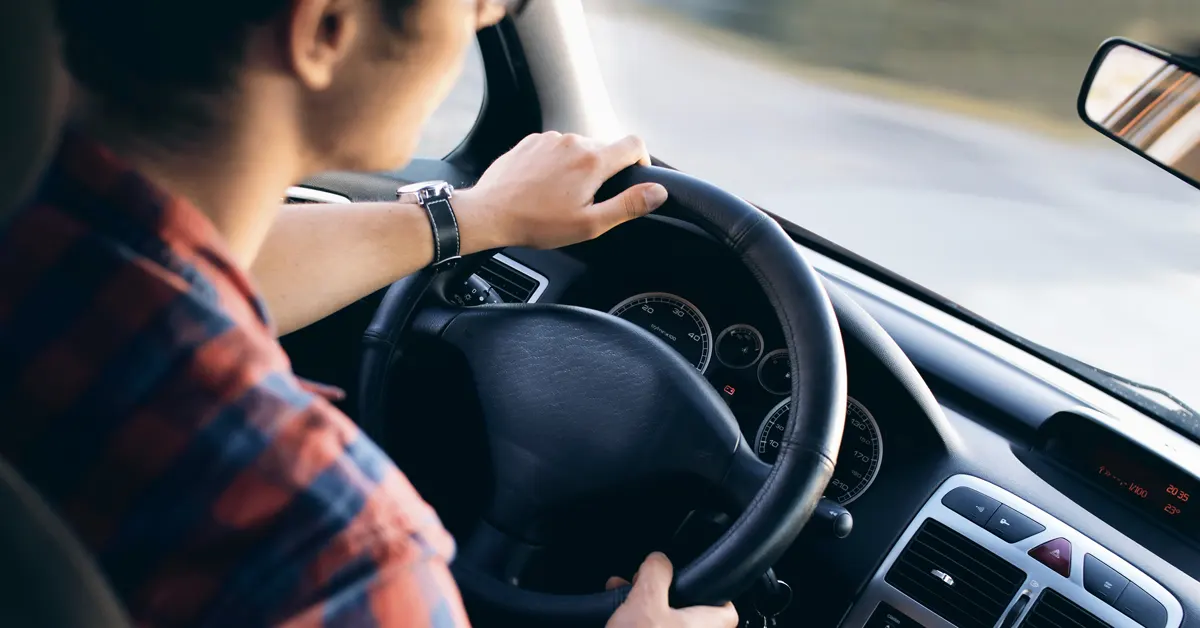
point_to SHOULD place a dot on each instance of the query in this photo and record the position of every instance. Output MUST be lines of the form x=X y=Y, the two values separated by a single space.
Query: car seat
x=47 y=578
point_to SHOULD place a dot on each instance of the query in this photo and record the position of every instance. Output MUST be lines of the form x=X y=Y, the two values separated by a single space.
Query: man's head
x=356 y=79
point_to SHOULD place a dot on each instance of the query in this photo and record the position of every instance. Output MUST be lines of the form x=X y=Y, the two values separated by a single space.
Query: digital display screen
x=1135 y=477
x=1167 y=495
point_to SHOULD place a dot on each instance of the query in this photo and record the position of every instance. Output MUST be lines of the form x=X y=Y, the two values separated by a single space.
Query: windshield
x=939 y=139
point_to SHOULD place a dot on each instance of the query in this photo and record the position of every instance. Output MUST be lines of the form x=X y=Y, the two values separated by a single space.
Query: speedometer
x=672 y=319
x=860 y=454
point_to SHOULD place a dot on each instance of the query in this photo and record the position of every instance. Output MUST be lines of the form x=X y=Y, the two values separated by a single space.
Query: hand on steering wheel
x=541 y=193
x=648 y=602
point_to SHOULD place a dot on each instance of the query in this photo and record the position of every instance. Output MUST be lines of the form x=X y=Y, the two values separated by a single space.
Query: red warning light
x=729 y=390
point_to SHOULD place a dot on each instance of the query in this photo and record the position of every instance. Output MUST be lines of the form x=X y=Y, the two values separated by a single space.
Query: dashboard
x=702 y=303
x=939 y=408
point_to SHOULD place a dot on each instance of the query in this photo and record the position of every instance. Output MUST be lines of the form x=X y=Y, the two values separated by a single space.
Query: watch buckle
x=447 y=264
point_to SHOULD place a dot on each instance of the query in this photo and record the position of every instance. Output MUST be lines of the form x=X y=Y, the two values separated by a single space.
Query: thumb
x=653 y=580
x=638 y=200
x=615 y=582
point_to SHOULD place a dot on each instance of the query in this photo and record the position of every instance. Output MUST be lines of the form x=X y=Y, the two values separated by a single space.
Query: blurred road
x=1080 y=247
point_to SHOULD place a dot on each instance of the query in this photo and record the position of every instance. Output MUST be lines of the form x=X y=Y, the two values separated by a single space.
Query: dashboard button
x=1012 y=526
x=971 y=504
x=1055 y=554
x=887 y=617
x=1101 y=580
x=1142 y=607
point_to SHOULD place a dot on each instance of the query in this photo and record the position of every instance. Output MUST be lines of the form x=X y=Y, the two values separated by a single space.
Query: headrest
x=34 y=97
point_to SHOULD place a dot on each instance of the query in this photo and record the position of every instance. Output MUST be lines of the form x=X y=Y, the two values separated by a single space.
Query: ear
x=490 y=14
x=319 y=37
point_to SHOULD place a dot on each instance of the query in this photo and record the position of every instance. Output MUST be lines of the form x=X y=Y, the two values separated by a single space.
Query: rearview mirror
x=1146 y=100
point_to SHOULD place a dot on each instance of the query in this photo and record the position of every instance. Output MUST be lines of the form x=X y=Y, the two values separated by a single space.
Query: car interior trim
x=1038 y=576
x=1095 y=403
x=558 y=49
x=305 y=193
x=543 y=282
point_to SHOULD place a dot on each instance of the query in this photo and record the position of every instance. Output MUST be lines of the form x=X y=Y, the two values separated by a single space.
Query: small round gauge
x=739 y=346
x=860 y=455
x=672 y=319
x=775 y=372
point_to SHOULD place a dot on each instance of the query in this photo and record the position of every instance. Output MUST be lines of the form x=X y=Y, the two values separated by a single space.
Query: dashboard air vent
x=1052 y=610
x=955 y=577
x=513 y=282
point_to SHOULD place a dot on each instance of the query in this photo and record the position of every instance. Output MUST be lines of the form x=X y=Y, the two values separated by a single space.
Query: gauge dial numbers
x=672 y=319
x=859 y=458
x=739 y=346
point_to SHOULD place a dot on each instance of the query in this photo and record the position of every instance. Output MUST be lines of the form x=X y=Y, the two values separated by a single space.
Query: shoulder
x=302 y=508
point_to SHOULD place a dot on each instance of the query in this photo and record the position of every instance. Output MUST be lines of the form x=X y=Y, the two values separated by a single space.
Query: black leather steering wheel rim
x=777 y=511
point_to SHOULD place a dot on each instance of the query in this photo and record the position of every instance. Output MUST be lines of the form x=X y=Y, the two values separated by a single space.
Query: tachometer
x=858 y=459
x=673 y=319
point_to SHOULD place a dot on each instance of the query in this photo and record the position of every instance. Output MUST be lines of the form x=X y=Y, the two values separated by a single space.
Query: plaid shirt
x=145 y=396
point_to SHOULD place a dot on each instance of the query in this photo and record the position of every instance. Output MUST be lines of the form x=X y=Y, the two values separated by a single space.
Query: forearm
x=320 y=258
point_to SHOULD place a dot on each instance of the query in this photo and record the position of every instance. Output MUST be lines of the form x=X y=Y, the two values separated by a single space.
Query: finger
x=710 y=616
x=653 y=580
x=638 y=200
x=623 y=153
x=615 y=582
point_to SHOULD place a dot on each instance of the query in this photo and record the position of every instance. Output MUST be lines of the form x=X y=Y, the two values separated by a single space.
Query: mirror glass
x=1147 y=101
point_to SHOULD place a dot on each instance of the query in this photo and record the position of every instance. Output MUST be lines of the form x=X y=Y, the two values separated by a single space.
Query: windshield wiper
x=1173 y=407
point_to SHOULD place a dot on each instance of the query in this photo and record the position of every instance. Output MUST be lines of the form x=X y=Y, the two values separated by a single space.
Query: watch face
x=422 y=185
x=420 y=192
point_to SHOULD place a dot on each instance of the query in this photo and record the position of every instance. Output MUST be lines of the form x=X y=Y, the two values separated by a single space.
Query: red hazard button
x=1055 y=554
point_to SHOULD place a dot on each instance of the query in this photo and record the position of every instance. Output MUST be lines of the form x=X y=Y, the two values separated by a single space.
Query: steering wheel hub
x=577 y=402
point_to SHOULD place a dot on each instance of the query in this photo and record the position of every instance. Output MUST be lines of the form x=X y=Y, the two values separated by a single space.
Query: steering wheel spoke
x=496 y=553
x=744 y=478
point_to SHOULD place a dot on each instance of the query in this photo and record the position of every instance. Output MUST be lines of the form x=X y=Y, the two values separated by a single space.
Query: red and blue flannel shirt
x=144 y=394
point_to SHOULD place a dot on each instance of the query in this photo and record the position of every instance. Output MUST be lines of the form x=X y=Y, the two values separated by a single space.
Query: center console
x=977 y=556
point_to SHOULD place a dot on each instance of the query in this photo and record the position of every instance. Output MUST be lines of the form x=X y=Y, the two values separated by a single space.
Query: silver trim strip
x=541 y=279
x=1038 y=577
x=314 y=195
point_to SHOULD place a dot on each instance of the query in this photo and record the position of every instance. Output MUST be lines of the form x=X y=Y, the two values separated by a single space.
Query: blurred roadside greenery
x=1031 y=54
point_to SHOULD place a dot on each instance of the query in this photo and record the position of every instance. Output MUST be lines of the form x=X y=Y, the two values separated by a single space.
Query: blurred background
x=938 y=138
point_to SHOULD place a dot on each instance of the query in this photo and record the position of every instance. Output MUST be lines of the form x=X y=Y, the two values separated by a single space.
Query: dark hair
x=156 y=63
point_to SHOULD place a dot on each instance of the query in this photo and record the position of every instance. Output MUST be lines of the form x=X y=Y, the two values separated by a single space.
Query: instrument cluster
x=754 y=378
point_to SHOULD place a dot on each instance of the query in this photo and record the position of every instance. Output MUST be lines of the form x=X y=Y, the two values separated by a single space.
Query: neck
x=236 y=175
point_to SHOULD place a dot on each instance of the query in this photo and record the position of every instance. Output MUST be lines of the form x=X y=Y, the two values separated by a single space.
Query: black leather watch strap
x=447 y=245
x=434 y=197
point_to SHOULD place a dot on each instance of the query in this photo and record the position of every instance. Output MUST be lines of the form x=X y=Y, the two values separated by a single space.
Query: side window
x=455 y=118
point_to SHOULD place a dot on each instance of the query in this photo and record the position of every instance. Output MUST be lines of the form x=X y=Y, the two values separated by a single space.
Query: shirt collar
x=114 y=187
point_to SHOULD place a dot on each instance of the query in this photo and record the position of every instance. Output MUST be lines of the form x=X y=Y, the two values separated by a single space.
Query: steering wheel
x=577 y=402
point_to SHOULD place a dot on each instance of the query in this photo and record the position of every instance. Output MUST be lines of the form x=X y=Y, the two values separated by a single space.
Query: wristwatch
x=434 y=197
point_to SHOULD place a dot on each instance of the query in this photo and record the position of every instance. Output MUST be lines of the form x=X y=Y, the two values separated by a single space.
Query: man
x=146 y=396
